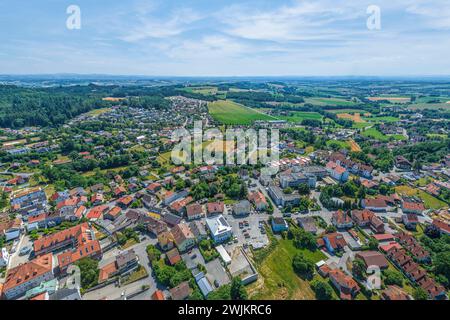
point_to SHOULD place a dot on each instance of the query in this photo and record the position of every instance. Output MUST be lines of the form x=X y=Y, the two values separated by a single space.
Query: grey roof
x=62 y=294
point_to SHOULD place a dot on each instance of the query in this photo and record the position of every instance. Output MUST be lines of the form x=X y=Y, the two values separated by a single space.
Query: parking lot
x=249 y=233
x=214 y=269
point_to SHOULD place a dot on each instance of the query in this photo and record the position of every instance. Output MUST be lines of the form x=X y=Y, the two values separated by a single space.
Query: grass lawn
x=375 y=134
x=429 y=201
x=229 y=112
x=130 y=242
x=341 y=144
x=298 y=116
x=98 y=112
x=136 y=275
x=277 y=277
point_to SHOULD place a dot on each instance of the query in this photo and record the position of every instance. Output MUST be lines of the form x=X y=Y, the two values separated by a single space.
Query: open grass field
x=277 y=277
x=229 y=112
x=391 y=99
x=298 y=116
x=432 y=106
x=98 y=112
x=375 y=134
x=381 y=119
x=329 y=101
x=349 y=110
x=202 y=90
x=430 y=202
x=341 y=144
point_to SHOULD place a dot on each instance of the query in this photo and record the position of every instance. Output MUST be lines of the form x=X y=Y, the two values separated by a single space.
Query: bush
x=303 y=266
x=393 y=278
x=322 y=289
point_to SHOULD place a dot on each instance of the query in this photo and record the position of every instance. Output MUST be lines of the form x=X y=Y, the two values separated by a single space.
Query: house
x=97 y=198
x=282 y=199
x=214 y=208
x=333 y=242
x=341 y=220
x=120 y=191
x=155 y=226
x=241 y=208
x=96 y=212
x=183 y=237
x=203 y=284
x=444 y=227
x=337 y=172
x=402 y=163
x=373 y=258
x=410 y=221
x=125 y=202
x=308 y=224
x=158 y=295
x=91 y=249
x=279 y=225
x=179 y=206
x=171 y=219
x=171 y=196
x=366 y=218
x=394 y=293
x=113 y=213
x=9 y=227
x=194 y=211
x=124 y=262
x=70 y=237
x=258 y=200
x=180 y=292
x=219 y=228
x=377 y=204
x=27 y=276
x=154 y=187
x=165 y=240
x=295 y=179
x=173 y=256
x=199 y=230
x=348 y=288
x=412 y=207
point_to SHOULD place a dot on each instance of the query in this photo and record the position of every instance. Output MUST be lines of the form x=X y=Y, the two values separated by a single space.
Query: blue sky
x=226 y=38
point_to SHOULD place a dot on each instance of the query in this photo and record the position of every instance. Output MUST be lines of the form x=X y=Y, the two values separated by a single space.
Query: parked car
x=24 y=251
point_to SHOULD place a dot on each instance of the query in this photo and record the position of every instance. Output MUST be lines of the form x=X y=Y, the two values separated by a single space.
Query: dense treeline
x=42 y=107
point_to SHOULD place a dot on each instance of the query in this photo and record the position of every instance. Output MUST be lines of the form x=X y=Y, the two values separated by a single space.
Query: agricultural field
x=429 y=201
x=391 y=99
x=381 y=119
x=277 y=277
x=228 y=112
x=355 y=117
x=98 y=112
x=202 y=90
x=298 y=116
x=350 y=110
x=329 y=101
x=432 y=106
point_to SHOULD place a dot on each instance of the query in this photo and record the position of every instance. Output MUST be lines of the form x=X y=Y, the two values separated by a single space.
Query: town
x=357 y=209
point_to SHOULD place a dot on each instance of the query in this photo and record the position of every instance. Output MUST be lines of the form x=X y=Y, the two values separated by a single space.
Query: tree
x=303 y=266
x=432 y=231
x=322 y=290
x=303 y=189
x=420 y=294
x=153 y=253
x=223 y=293
x=89 y=272
x=237 y=291
x=442 y=264
x=359 y=269
x=373 y=244
x=392 y=277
